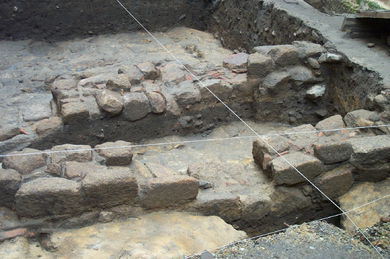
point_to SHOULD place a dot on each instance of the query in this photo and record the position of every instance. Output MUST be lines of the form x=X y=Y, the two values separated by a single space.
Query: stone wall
x=53 y=20
x=248 y=24
x=333 y=160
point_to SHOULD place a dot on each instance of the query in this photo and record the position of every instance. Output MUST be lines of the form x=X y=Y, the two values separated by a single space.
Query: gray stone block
x=170 y=191
x=25 y=164
x=108 y=187
x=48 y=196
x=284 y=173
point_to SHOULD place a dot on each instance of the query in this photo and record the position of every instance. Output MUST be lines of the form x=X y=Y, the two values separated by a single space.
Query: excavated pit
x=69 y=82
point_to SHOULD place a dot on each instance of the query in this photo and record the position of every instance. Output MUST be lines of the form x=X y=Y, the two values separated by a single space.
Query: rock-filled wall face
x=248 y=24
x=57 y=19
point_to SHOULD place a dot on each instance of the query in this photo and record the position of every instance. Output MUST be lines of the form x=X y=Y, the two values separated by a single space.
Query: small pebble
x=370 y=45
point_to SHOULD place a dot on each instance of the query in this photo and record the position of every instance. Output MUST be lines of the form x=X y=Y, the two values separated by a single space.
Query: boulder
x=170 y=191
x=259 y=65
x=263 y=153
x=48 y=196
x=308 y=49
x=313 y=63
x=118 y=82
x=148 y=70
x=26 y=163
x=370 y=150
x=9 y=185
x=185 y=93
x=157 y=101
x=333 y=122
x=108 y=187
x=332 y=151
x=361 y=194
x=172 y=72
x=283 y=173
x=359 y=118
x=133 y=74
x=284 y=55
x=237 y=62
x=315 y=92
x=74 y=111
x=136 y=106
x=335 y=182
x=301 y=75
x=109 y=101
x=330 y=58
x=48 y=126
x=115 y=156
x=275 y=81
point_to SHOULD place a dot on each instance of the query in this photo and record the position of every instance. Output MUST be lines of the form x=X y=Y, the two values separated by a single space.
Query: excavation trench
x=114 y=91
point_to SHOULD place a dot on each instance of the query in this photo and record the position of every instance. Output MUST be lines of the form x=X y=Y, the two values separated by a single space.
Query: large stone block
x=110 y=102
x=284 y=173
x=67 y=152
x=370 y=214
x=133 y=73
x=259 y=65
x=308 y=49
x=285 y=55
x=48 y=196
x=335 y=182
x=118 y=82
x=9 y=185
x=115 y=156
x=149 y=70
x=333 y=151
x=360 y=118
x=108 y=187
x=263 y=153
x=47 y=126
x=157 y=101
x=370 y=150
x=185 y=93
x=137 y=106
x=170 y=191
x=302 y=75
x=25 y=161
x=331 y=123
x=74 y=111
x=274 y=81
